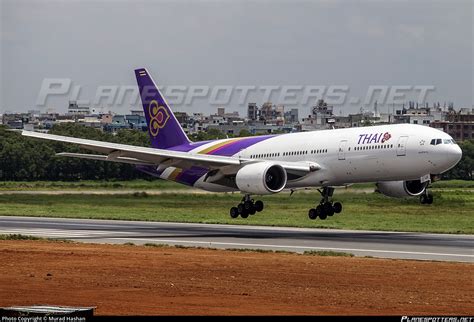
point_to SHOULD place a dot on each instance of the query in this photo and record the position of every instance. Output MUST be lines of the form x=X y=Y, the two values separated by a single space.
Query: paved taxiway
x=442 y=247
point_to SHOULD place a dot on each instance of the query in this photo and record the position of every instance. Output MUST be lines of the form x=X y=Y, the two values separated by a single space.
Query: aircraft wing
x=150 y=156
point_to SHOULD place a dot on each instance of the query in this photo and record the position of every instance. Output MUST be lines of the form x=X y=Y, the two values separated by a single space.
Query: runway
x=421 y=246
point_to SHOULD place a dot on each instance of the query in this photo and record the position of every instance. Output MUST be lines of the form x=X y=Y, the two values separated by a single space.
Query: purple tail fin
x=164 y=129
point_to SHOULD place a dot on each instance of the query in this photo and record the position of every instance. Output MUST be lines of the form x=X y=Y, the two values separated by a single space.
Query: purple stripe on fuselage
x=188 y=146
x=191 y=175
x=187 y=176
x=239 y=145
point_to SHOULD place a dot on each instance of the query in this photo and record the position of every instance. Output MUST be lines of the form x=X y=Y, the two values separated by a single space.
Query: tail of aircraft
x=164 y=129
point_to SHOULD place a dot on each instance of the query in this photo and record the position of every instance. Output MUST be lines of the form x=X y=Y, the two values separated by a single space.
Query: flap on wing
x=104 y=158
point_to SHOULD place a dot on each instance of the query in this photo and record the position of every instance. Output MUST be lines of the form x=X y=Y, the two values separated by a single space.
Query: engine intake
x=261 y=178
x=401 y=189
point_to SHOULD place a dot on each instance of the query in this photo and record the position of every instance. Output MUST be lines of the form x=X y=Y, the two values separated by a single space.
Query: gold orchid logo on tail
x=158 y=117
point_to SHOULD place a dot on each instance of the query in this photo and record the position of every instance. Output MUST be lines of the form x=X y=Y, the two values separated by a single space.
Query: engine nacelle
x=401 y=189
x=261 y=178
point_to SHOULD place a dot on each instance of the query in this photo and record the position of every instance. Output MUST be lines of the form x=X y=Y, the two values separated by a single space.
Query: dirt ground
x=126 y=280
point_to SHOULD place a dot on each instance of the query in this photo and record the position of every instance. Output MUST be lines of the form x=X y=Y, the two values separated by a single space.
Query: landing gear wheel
x=244 y=214
x=312 y=214
x=429 y=199
x=337 y=207
x=320 y=212
x=258 y=205
x=240 y=208
x=328 y=209
x=248 y=205
x=234 y=212
x=423 y=199
x=252 y=210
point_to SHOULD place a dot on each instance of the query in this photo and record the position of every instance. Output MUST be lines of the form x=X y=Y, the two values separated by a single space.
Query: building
x=291 y=116
x=420 y=116
x=119 y=122
x=460 y=125
x=16 y=120
x=140 y=112
x=220 y=111
x=106 y=118
x=252 y=112
x=75 y=109
x=321 y=117
x=266 y=112
x=137 y=122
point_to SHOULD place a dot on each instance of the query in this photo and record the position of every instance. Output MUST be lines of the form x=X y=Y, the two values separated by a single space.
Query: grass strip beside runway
x=451 y=212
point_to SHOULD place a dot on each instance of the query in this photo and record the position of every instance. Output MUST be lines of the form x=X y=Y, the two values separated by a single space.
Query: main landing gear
x=426 y=198
x=246 y=207
x=326 y=207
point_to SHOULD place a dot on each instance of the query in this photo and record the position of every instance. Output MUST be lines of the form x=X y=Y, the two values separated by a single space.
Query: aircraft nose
x=455 y=154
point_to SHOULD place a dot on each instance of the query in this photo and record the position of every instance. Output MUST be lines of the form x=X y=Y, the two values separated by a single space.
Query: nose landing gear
x=326 y=207
x=247 y=207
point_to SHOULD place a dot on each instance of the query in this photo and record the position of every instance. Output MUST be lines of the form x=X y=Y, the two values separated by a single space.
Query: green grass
x=155 y=245
x=89 y=185
x=29 y=237
x=454 y=184
x=158 y=184
x=452 y=211
x=20 y=237
x=327 y=253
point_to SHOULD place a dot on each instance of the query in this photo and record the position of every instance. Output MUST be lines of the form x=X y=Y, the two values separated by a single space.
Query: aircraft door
x=342 y=150
x=402 y=146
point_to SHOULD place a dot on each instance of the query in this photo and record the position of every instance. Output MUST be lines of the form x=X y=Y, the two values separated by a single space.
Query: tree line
x=28 y=159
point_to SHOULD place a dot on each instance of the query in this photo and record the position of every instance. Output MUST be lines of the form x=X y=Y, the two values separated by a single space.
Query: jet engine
x=261 y=178
x=400 y=189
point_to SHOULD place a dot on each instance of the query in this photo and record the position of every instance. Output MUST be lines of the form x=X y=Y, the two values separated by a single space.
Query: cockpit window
x=442 y=141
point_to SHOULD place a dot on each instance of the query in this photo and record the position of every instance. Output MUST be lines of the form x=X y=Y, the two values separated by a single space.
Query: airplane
x=402 y=159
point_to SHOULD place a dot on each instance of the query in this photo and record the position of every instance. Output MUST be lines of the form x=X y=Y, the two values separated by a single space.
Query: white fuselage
x=363 y=154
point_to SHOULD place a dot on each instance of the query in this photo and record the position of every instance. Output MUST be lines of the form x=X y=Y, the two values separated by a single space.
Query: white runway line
x=294 y=247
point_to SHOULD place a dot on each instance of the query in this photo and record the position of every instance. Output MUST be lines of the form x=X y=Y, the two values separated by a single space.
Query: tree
x=465 y=168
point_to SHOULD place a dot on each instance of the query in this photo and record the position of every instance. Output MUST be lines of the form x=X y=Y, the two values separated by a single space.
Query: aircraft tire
x=328 y=209
x=337 y=207
x=258 y=205
x=234 y=212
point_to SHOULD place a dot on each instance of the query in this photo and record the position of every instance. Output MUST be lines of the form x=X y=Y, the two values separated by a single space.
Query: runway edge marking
x=288 y=246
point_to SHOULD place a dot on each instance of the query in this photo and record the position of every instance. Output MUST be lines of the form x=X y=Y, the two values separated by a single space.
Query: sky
x=350 y=43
